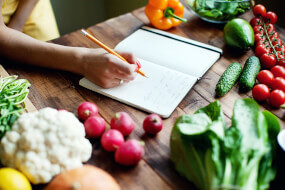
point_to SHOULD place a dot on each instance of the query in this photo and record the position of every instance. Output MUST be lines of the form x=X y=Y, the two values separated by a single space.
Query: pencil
x=91 y=37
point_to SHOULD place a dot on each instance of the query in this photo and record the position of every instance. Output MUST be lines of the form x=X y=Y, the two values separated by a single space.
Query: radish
x=112 y=139
x=129 y=153
x=152 y=124
x=87 y=109
x=94 y=126
x=122 y=122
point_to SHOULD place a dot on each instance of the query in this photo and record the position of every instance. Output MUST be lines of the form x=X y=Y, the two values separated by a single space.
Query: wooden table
x=61 y=90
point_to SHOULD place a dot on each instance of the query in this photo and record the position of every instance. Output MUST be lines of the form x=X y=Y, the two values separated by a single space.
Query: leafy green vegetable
x=219 y=10
x=213 y=157
x=13 y=93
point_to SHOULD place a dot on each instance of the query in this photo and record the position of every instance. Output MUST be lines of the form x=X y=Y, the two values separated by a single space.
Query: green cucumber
x=248 y=77
x=228 y=79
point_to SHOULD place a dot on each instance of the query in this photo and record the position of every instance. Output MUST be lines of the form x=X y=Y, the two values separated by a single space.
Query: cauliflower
x=45 y=143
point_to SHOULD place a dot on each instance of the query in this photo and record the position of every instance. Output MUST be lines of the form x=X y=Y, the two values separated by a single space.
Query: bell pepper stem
x=169 y=12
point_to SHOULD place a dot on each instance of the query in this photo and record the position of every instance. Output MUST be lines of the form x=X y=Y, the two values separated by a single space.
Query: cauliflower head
x=42 y=144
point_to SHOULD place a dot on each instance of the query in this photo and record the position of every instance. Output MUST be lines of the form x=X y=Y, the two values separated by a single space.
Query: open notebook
x=172 y=63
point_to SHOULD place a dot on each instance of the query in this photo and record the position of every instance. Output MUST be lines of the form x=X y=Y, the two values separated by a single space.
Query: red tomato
x=278 y=71
x=259 y=10
x=280 y=48
x=261 y=50
x=260 y=92
x=281 y=60
x=265 y=43
x=268 y=60
x=274 y=36
x=259 y=37
x=270 y=27
x=255 y=21
x=271 y=17
x=277 y=41
x=277 y=98
x=278 y=83
x=265 y=77
x=258 y=29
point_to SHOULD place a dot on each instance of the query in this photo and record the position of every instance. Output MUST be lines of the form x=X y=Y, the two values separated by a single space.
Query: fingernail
x=138 y=64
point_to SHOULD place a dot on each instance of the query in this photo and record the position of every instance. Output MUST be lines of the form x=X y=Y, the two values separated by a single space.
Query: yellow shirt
x=40 y=25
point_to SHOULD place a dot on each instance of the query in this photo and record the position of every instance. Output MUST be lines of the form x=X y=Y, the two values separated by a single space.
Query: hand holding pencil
x=91 y=37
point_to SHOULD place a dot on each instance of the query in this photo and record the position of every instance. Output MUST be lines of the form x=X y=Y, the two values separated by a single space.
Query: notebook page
x=160 y=93
x=168 y=52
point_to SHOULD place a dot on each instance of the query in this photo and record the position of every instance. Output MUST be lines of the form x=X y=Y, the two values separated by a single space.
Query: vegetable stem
x=169 y=12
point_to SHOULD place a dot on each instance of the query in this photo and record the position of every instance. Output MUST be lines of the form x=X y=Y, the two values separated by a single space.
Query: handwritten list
x=160 y=93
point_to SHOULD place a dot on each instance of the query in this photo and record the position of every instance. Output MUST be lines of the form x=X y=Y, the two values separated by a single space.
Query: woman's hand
x=107 y=70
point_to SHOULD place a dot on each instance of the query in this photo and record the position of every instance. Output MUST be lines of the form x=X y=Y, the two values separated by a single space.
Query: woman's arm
x=97 y=65
x=24 y=9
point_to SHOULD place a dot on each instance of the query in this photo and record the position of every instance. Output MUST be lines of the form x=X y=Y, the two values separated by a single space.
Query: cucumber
x=228 y=79
x=248 y=77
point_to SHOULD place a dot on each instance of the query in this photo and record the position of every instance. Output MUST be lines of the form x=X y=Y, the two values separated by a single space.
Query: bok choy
x=239 y=157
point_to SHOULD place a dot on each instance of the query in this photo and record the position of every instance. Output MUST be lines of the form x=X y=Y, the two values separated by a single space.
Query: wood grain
x=59 y=89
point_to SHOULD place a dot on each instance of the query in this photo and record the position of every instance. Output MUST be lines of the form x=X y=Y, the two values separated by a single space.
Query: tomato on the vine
x=260 y=92
x=277 y=98
x=268 y=60
x=280 y=48
x=259 y=10
x=261 y=50
x=277 y=41
x=281 y=60
x=278 y=71
x=259 y=37
x=270 y=27
x=255 y=21
x=265 y=77
x=274 y=36
x=265 y=43
x=258 y=29
x=271 y=16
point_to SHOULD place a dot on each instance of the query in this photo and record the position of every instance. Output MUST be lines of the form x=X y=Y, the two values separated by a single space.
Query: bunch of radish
x=271 y=52
x=127 y=152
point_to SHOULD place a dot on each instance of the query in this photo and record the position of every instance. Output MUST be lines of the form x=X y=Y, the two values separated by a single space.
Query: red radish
x=112 y=139
x=123 y=122
x=129 y=153
x=87 y=109
x=94 y=126
x=152 y=124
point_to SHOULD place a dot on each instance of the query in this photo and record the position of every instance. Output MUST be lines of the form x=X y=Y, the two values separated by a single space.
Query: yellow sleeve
x=42 y=24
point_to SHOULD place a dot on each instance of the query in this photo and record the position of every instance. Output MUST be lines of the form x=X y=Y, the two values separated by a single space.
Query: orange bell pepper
x=165 y=14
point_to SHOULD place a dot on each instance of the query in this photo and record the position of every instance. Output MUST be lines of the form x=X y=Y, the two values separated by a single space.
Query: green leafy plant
x=13 y=93
x=239 y=157
x=219 y=10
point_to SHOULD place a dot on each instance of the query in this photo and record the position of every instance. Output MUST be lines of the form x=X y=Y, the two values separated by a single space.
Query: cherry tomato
x=258 y=29
x=259 y=37
x=278 y=71
x=278 y=83
x=268 y=60
x=265 y=43
x=265 y=77
x=260 y=92
x=270 y=28
x=259 y=10
x=280 y=48
x=281 y=60
x=277 y=41
x=277 y=98
x=274 y=36
x=271 y=17
x=261 y=50
x=255 y=21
